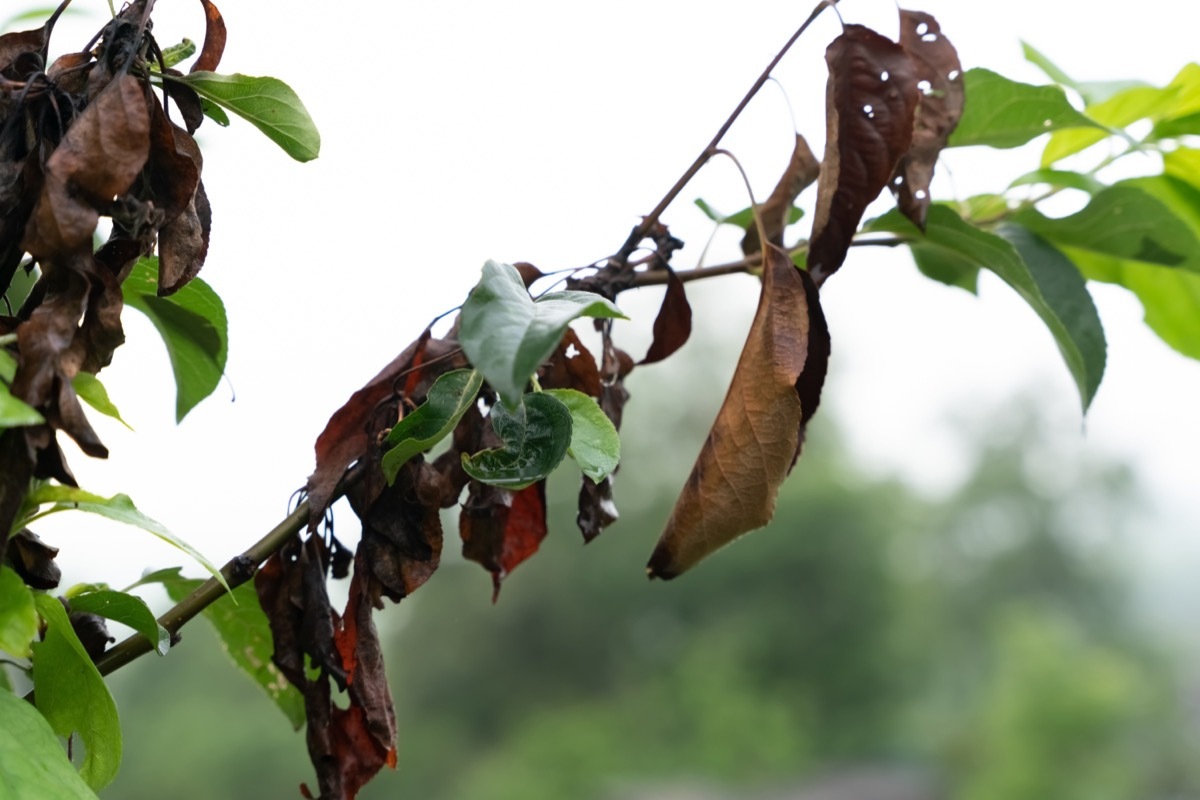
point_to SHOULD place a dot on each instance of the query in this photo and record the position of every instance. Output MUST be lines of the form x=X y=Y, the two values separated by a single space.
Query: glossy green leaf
x=536 y=436
x=193 y=326
x=1048 y=282
x=1122 y=221
x=1059 y=179
x=118 y=507
x=595 y=444
x=1115 y=113
x=73 y=697
x=246 y=638
x=451 y=396
x=268 y=104
x=18 y=617
x=92 y=391
x=506 y=335
x=33 y=765
x=1004 y=113
x=126 y=609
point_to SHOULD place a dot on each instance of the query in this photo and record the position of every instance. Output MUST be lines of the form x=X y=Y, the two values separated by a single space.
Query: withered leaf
x=214 y=40
x=575 y=371
x=597 y=510
x=802 y=171
x=673 y=325
x=757 y=434
x=939 y=76
x=871 y=97
x=33 y=560
x=502 y=528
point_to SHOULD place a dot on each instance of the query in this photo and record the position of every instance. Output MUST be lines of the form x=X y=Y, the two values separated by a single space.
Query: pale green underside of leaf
x=1003 y=113
x=92 y=391
x=33 y=765
x=448 y=399
x=595 y=443
x=193 y=327
x=18 y=617
x=506 y=335
x=267 y=103
x=73 y=697
x=127 y=610
x=119 y=508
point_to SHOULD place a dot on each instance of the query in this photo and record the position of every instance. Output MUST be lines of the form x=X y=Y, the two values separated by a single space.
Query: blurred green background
x=873 y=643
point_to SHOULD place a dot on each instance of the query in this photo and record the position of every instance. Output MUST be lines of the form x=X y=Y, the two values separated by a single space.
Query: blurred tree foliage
x=983 y=639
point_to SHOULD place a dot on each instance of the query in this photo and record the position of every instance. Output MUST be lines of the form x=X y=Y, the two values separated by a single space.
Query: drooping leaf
x=779 y=209
x=597 y=510
x=507 y=335
x=214 y=39
x=245 y=637
x=673 y=324
x=595 y=445
x=267 y=103
x=92 y=391
x=535 y=437
x=1047 y=282
x=33 y=765
x=1091 y=91
x=18 y=617
x=33 y=560
x=1122 y=221
x=939 y=77
x=1115 y=113
x=871 y=97
x=758 y=432
x=193 y=327
x=501 y=528
x=1004 y=113
x=119 y=508
x=126 y=609
x=1059 y=179
x=448 y=399
x=73 y=697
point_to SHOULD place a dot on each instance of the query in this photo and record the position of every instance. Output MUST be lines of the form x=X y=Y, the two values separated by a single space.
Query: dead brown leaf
x=802 y=171
x=214 y=40
x=673 y=325
x=501 y=528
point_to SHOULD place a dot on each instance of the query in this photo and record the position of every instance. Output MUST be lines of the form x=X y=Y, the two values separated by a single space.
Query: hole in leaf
x=929 y=37
x=922 y=29
x=953 y=75
x=883 y=76
x=926 y=87
x=920 y=194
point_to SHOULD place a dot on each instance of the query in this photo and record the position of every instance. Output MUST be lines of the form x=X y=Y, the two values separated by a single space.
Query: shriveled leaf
x=73 y=697
x=18 y=617
x=595 y=444
x=33 y=560
x=507 y=335
x=501 y=528
x=673 y=325
x=759 y=430
x=1004 y=113
x=1115 y=113
x=448 y=399
x=268 y=104
x=1122 y=221
x=214 y=39
x=33 y=765
x=193 y=327
x=92 y=391
x=536 y=436
x=119 y=508
x=939 y=77
x=779 y=209
x=871 y=97
x=126 y=609
x=245 y=637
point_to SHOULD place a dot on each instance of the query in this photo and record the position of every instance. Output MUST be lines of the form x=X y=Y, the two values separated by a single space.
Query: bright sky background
x=540 y=131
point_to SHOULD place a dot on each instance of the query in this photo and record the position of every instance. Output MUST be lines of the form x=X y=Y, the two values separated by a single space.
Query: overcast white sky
x=540 y=131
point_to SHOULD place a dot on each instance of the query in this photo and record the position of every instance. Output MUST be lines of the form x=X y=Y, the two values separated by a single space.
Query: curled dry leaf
x=214 y=40
x=871 y=97
x=802 y=171
x=940 y=79
x=673 y=325
x=759 y=429
x=501 y=528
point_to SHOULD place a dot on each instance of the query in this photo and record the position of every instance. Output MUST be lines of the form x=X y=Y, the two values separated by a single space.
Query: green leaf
x=1047 y=282
x=743 y=219
x=536 y=436
x=1059 y=179
x=507 y=335
x=1090 y=91
x=73 y=697
x=1003 y=113
x=246 y=638
x=268 y=104
x=33 y=765
x=14 y=413
x=118 y=507
x=176 y=53
x=1122 y=221
x=946 y=266
x=193 y=326
x=449 y=398
x=708 y=210
x=595 y=444
x=18 y=617
x=126 y=609
x=1114 y=113
x=92 y=391
x=215 y=113
x=1183 y=164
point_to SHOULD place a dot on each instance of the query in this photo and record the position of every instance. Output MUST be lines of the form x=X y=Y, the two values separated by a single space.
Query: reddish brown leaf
x=214 y=40
x=673 y=325
x=500 y=528
x=802 y=170
x=871 y=97
x=575 y=371
x=757 y=434
x=939 y=76
x=186 y=100
x=33 y=560
x=528 y=272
